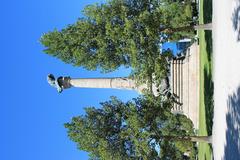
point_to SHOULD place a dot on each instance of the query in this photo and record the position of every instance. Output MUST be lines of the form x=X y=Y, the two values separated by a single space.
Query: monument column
x=116 y=83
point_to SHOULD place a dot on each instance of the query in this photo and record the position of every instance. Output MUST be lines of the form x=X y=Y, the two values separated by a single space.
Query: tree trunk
x=206 y=139
x=207 y=26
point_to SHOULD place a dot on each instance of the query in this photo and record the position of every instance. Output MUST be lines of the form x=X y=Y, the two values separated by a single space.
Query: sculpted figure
x=60 y=83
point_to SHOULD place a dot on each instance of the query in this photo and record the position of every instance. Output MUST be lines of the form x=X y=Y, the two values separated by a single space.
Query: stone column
x=175 y=82
x=178 y=83
x=172 y=76
x=116 y=83
x=181 y=99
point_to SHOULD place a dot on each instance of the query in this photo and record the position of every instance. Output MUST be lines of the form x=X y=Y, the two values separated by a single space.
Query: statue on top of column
x=60 y=83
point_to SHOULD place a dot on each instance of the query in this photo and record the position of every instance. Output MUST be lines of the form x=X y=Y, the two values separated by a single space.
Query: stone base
x=185 y=84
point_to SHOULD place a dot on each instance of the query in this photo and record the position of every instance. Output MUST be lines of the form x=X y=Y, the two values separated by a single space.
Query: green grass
x=206 y=83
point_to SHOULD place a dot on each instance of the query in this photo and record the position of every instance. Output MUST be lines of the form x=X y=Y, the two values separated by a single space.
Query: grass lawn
x=206 y=83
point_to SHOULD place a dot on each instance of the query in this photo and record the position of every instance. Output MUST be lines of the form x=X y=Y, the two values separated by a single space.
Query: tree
x=132 y=130
x=120 y=32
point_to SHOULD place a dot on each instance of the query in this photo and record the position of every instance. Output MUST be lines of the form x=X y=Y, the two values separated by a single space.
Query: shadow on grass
x=207 y=11
x=208 y=39
x=208 y=83
x=208 y=100
x=207 y=18
x=232 y=147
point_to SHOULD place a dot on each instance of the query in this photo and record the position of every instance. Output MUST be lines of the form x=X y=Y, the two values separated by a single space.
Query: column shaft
x=117 y=83
x=181 y=100
x=175 y=82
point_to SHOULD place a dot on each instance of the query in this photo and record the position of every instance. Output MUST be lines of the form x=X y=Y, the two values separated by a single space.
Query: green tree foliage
x=120 y=32
x=132 y=130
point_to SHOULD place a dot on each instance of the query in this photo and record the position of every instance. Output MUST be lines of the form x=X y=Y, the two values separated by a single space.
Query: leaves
x=119 y=33
x=132 y=130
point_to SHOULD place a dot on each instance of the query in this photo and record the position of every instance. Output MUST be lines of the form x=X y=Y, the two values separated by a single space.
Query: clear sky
x=171 y=45
x=33 y=113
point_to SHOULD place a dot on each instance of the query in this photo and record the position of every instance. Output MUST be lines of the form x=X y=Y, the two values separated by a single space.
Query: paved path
x=226 y=52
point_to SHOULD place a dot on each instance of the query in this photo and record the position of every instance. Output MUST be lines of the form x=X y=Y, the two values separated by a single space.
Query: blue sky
x=33 y=113
x=171 y=45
